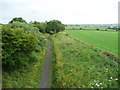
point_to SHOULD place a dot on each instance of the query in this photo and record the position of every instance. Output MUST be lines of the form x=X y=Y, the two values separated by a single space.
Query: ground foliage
x=75 y=65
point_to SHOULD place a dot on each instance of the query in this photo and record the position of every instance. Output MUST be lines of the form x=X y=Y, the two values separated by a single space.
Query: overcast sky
x=67 y=11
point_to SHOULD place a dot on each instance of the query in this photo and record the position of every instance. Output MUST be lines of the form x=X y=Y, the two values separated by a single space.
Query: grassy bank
x=105 y=40
x=75 y=65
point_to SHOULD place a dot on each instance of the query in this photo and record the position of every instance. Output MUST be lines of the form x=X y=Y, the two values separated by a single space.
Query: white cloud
x=15 y=1
x=68 y=11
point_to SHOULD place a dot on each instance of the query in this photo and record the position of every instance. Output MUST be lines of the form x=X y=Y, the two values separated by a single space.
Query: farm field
x=104 y=40
x=75 y=65
x=90 y=27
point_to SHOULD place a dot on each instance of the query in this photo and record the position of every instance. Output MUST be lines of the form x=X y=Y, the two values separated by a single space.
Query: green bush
x=17 y=46
x=29 y=28
x=40 y=26
x=97 y=29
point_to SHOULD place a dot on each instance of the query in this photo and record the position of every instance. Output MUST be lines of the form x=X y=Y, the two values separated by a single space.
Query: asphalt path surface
x=45 y=79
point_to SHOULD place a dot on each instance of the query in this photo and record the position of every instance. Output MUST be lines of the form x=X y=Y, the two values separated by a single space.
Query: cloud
x=68 y=11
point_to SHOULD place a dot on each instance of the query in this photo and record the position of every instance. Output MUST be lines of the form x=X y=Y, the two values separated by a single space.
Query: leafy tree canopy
x=18 y=19
x=41 y=26
x=54 y=26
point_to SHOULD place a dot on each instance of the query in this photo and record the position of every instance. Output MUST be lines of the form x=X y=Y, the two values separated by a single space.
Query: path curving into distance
x=45 y=79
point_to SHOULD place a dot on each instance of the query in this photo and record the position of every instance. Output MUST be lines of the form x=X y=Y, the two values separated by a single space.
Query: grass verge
x=75 y=65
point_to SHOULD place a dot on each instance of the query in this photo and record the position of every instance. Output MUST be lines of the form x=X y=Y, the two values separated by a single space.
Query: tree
x=80 y=28
x=18 y=19
x=97 y=29
x=40 y=26
x=105 y=29
x=54 y=26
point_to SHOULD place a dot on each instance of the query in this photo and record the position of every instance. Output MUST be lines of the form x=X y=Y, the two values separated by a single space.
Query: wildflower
x=64 y=83
x=97 y=84
x=111 y=78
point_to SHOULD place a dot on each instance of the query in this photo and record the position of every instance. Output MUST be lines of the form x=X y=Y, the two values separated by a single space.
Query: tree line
x=53 y=26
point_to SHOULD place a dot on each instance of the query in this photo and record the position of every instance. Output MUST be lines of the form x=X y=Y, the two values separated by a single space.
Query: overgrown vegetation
x=76 y=65
x=24 y=48
x=19 y=41
x=17 y=47
x=40 y=26
x=26 y=77
x=23 y=53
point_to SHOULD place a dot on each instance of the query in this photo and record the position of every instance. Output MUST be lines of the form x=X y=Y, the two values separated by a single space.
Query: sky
x=67 y=11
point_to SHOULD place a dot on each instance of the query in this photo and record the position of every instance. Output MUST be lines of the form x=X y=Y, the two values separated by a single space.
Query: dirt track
x=45 y=79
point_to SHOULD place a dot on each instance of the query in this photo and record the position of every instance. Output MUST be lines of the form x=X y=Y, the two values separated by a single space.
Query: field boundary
x=106 y=53
x=95 y=30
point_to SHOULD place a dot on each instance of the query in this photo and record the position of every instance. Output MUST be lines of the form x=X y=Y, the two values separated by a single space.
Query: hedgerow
x=19 y=41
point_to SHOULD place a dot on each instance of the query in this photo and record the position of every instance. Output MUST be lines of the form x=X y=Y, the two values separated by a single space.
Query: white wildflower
x=64 y=83
x=111 y=78
x=96 y=84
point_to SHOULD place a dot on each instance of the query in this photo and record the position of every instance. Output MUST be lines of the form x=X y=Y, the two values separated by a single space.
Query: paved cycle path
x=45 y=79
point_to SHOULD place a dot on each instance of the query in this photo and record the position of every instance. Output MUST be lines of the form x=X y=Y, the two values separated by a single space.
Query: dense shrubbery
x=16 y=44
x=40 y=26
x=19 y=42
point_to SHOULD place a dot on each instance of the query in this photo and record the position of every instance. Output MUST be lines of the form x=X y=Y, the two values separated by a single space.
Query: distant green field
x=86 y=27
x=105 y=40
